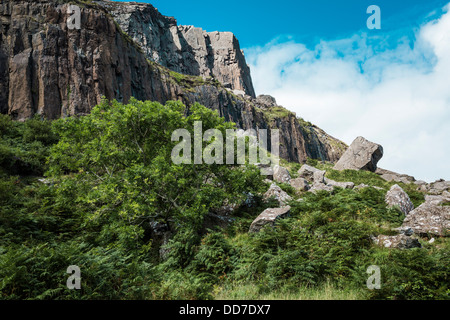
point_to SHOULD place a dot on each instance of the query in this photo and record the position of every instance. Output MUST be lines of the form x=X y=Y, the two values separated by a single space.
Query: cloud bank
x=398 y=96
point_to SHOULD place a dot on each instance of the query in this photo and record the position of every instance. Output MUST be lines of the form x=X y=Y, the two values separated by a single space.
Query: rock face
x=48 y=69
x=361 y=155
x=397 y=197
x=269 y=217
x=184 y=49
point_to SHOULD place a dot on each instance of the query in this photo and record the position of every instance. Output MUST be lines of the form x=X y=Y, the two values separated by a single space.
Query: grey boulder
x=269 y=217
x=428 y=219
x=276 y=192
x=396 y=196
x=361 y=155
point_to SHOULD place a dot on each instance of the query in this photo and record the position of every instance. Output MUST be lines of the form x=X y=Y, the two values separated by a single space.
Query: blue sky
x=318 y=59
x=258 y=22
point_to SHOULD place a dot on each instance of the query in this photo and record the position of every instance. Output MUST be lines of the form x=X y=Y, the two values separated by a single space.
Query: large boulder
x=268 y=217
x=361 y=155
x=428 y=219
x=396 y=196
x=276 y=192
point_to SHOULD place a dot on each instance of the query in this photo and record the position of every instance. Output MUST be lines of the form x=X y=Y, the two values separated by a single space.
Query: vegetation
x=86 y=191
x=276 y=113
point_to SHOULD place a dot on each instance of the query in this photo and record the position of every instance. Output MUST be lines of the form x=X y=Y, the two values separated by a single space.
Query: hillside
x=88 y=180
x=51 y=70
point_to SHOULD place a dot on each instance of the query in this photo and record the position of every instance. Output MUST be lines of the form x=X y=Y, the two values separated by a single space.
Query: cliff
x=184 y=49
x=125 y=50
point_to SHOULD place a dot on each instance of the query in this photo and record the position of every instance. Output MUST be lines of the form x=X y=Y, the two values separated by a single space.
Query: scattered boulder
x=361 y=186
x=307 y=172
x=300 y=184
x=320 y=186
x=401 y=241
x=438 y=199
x=438 y=187
x=428 y=219
x=281 y=174
x=361 y=155
x=275 y=191
x=268 y=217
x=344 y=185
x=396 y=196
x=319 y=176
x=394 y=176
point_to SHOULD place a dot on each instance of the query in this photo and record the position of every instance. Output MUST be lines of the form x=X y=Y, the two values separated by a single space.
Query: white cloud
x=398 y=97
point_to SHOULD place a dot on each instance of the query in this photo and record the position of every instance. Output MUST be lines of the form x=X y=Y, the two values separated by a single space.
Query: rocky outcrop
x=184 y=49
x=51 y=70
x=269 y=217
x=361 y=155
x=396 y=197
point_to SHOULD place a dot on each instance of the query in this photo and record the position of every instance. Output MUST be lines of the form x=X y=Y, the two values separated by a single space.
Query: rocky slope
x=125 y=50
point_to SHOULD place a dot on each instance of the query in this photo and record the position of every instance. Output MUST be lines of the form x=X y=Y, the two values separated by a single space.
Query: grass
x=276 y=113
x=250 y=291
